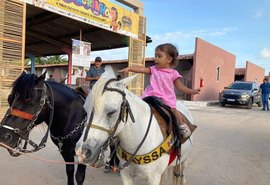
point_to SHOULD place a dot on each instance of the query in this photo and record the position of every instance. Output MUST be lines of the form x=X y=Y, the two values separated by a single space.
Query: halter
x=125 y=110
x=32 y=119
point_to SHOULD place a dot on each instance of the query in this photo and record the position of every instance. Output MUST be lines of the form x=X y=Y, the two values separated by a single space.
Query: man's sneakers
x=184 y=130
x=109 y=168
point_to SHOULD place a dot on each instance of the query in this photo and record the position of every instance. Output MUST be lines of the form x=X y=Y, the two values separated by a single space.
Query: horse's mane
x=64 y=87
x=24 y=85
x=98 y=90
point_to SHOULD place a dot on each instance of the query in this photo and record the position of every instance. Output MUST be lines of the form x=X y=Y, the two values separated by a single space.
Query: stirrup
x=177 y=168
x=184 y=130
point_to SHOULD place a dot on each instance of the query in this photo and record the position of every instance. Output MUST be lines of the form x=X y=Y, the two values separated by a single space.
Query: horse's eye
x=111 y=113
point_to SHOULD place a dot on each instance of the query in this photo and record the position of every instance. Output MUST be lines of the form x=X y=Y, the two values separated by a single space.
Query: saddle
x=167 y=120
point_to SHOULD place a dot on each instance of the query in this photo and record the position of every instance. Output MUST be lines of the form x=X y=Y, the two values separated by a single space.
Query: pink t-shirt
x=162 y=85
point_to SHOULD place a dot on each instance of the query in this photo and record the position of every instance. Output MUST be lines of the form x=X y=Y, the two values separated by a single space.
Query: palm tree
x=57 y=59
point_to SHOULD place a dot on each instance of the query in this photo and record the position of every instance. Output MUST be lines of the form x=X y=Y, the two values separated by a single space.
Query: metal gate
x=12 y=36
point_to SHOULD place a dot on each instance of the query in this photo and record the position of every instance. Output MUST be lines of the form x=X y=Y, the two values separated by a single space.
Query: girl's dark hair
x=170 y=50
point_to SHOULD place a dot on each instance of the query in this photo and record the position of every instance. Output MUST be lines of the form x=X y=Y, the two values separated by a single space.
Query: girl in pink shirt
x=163 y=79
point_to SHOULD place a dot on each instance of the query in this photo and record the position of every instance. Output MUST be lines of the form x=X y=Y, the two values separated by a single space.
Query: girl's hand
x=197 y=91
x=124 y=71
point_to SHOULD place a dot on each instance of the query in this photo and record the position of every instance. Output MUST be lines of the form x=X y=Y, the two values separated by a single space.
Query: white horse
x=108 y=120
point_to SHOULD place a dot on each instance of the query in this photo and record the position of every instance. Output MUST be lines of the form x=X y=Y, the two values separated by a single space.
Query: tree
x=57 y=59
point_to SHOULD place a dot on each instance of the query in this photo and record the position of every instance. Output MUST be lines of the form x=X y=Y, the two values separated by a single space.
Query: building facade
x=210 y=68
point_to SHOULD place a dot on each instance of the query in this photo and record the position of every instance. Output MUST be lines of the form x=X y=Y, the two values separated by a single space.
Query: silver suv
x=241 y=93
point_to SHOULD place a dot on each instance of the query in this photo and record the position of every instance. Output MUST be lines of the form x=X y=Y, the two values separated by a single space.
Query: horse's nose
x=7 y=138
x=87 y=152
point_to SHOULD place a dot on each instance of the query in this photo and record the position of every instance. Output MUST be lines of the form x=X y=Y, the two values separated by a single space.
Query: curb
x=198 y=103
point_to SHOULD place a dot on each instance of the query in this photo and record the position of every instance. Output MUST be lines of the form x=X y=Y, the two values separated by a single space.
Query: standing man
x=51 y=79
x=94 y=72
x=265 y=90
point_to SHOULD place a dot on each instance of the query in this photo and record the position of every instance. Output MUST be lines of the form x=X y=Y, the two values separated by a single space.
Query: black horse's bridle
x=24 y=136
x=123 y=116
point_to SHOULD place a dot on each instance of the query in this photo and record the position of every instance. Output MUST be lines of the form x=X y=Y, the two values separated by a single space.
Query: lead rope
x=36 y=158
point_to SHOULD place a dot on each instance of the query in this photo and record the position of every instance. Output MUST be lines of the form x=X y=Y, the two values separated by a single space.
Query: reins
x=140 y=144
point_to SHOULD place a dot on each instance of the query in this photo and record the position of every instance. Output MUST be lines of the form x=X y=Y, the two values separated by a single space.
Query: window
x=218 y=73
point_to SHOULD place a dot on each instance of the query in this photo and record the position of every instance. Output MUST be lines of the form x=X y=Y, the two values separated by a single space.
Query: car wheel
x=249 y=105
x=222 y=104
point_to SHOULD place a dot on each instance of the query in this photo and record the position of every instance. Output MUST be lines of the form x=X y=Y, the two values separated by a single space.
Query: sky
x=237 y=26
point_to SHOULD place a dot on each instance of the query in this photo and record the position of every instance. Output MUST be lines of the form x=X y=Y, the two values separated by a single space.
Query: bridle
x=123 y=116
x=24 y=135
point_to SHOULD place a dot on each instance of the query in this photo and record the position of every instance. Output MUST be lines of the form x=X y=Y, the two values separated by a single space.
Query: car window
x=256 y=86
x=241 y=86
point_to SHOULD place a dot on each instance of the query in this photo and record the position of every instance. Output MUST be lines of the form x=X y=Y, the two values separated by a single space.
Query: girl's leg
x=184 y=129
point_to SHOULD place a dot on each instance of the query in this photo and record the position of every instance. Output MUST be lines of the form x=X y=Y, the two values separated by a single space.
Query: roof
x=149 y=59
x=48 y=33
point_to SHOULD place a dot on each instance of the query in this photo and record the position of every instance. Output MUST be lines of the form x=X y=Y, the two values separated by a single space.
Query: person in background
x=163 y=80
x=265 y=90
x=51 y=79
x=94 y=72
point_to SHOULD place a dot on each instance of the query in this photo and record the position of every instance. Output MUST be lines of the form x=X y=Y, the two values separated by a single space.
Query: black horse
x=33 y=101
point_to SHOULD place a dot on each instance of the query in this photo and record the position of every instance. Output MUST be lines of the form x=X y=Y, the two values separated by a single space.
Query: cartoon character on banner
x=39 y=3
x=114 y=16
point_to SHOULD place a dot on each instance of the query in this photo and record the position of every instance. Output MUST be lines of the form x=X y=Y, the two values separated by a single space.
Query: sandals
x=184 y=130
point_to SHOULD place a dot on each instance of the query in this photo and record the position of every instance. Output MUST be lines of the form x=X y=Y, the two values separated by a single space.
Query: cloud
x=112 y=54
x=259 y=14
x=174 y=36
x=265 y=53
x=184 y=41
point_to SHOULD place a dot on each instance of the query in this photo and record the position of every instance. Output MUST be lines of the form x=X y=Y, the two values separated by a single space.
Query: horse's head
x=110 y=112
x=26 y=101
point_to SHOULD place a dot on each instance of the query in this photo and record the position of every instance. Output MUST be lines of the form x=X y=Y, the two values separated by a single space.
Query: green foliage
x=57 y=59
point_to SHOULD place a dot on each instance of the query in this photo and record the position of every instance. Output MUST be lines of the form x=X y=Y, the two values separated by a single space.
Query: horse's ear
x=128 y=80
x=43 y=76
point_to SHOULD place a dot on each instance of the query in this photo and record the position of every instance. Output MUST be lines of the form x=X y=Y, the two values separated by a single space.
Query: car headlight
x=244 y=96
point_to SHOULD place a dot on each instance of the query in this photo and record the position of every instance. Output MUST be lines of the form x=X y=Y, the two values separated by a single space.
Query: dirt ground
x=231 y=147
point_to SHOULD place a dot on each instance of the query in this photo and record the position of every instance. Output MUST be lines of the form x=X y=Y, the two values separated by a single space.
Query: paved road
x=231 y=147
